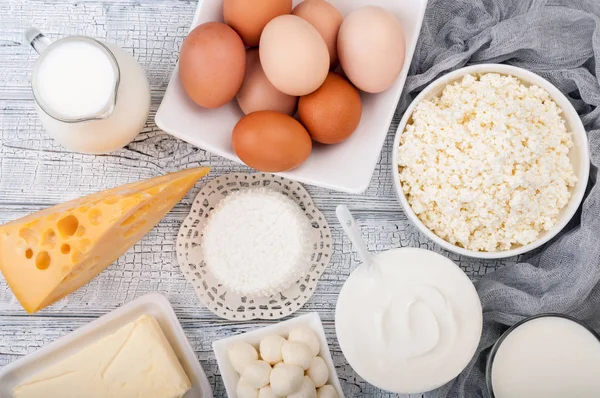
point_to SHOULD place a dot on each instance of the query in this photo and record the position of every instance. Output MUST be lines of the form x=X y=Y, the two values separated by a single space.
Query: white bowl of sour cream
x=434 y=226
x=410 y=323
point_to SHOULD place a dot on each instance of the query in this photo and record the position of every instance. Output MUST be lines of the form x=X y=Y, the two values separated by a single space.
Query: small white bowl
x=313 y=321
x=579 y=155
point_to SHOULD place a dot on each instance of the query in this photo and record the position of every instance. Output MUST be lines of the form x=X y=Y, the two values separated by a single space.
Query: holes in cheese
x=42 y=260
x=95 y=217
x=140 y=212
x=88 y=234
x=154 y=191
x=80 y=231
x=67 y=226
x=111 y=200
x=84 y=245
x=134 y=228
x=49 y=238
x=129 y=220
x=28 y=235
x=76 y=257
x=65 y=248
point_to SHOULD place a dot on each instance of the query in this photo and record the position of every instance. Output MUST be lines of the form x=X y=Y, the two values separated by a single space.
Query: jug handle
x=37 y=40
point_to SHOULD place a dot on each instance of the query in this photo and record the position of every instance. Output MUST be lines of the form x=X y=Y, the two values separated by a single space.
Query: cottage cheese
x=485 y=166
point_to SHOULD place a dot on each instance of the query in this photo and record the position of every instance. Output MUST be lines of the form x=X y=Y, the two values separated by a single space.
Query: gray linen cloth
x=559 y=40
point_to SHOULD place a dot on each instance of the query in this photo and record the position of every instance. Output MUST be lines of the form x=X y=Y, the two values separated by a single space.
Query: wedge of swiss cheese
x=51 y=253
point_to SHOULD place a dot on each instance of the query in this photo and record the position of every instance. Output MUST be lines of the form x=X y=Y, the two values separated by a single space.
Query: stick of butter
x=135 y=361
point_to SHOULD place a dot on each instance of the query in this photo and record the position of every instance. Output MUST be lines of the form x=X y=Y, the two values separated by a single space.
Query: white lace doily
x=215 y=296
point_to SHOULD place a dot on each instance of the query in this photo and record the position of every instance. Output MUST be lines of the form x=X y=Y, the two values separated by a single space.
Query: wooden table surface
x=36 y=172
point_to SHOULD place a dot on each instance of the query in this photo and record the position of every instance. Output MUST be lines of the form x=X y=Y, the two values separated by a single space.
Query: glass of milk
x=92 y=97
x=545 y=356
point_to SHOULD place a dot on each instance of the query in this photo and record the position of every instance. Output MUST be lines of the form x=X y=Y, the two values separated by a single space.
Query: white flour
x=257 y=242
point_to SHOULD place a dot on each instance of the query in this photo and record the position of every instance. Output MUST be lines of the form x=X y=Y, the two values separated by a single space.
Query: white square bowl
x=347 y=166
x=153 y=304
x=313 y=321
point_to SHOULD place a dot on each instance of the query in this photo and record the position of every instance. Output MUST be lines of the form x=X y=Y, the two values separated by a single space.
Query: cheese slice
x=135 y=361
x=53 y=252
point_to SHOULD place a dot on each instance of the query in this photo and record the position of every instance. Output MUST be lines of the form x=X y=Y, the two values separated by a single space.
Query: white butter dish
x=313 y=321
x=153 y=304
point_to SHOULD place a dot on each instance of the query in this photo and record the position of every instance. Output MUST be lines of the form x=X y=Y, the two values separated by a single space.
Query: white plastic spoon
x=352 y=232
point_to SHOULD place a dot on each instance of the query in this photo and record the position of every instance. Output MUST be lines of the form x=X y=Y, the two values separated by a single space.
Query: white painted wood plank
x=35 y=172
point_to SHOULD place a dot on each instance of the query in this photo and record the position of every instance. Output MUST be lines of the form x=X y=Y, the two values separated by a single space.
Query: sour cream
x=410 y=323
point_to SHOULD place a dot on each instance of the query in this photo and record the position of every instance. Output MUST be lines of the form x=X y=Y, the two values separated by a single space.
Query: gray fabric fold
x=560 y=41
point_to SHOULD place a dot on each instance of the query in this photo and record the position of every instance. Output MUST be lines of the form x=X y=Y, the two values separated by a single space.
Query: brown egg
x=332 y=113
x=327 y=21
x=212 y=64
x=249 y=17
x=271 y=141
x=258 y=94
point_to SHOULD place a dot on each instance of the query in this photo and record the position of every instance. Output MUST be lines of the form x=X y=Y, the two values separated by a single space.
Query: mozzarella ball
x=270 y=348
x=307 y=336
x=245 y=390
x=318 y=371
x=296 y=353
x=327 y=391
x=266 y=392
x=257 y=374
x=241 y=355
x=286 y=379
x=307 y=390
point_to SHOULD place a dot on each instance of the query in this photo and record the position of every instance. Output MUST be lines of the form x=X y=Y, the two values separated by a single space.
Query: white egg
x=371 y=58
x=307 y=390
x=257 y=374
x=307 y=336
x=327 y=391
x=286 y=379
x=241 y=355
x=293 y=55
x=266 y=392
x=318 y=371
x=270 y=348
x=296 y=353
x=245 y=390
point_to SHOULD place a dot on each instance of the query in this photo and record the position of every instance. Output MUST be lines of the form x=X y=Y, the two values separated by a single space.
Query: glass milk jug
x=92 y=97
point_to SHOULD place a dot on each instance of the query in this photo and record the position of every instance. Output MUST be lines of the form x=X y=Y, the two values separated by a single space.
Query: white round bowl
x=579 y=155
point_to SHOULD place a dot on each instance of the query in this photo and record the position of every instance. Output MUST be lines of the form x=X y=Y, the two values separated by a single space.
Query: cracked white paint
x=35 y=172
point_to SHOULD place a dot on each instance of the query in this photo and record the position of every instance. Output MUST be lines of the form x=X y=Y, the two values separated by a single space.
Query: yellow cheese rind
x=135 y=361
x=51 y=253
